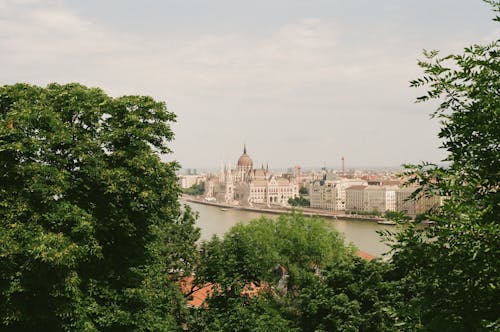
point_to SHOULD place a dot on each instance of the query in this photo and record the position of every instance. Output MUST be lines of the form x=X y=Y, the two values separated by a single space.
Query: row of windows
x=272 y=190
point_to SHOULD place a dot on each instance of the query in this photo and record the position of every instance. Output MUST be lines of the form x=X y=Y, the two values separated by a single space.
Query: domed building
x=248 y=186
x=244 y=166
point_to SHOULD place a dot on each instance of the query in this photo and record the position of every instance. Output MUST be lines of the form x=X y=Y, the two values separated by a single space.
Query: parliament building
x=247 y=186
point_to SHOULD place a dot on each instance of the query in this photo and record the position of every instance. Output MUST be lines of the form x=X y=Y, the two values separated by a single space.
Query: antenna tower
x=343 y=166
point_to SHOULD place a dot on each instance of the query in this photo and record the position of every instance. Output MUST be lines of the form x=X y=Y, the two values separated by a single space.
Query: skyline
x=258 y=164
x=314 y=80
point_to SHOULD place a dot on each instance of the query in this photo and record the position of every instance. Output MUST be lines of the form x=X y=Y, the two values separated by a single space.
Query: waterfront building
x=379 y=198
x=331 y=194
x=411 y=206
x=371 y=198
x=392 y=197
x=187 y=181
x=355 y=198
x=323 y=195
x=245 y=185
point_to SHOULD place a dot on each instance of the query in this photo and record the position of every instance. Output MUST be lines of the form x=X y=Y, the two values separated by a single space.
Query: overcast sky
x=300 y=82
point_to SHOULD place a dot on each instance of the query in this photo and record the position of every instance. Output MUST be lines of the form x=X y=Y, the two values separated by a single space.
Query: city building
x=331 y=194
x=355 y=198
x=245 y=185
x=371 y=198
x=414 y=206
x=187 y=181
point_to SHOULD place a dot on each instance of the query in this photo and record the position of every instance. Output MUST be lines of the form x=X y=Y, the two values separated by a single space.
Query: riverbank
x=217 y=219
x=276 y=210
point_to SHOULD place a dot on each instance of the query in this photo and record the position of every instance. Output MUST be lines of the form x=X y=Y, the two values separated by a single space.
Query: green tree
x=352 y=295
x=241 y=313
x=278 y=257
x=308 y=280
x=299 y=201
x=397 y=216
x=451 y=270
x=303 y=191
x=195 y=189
x=251 y=253
x=92 y=235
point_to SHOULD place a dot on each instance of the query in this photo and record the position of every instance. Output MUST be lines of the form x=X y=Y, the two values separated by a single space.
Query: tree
x=251 y=253
x=397 y=216
x=349 y=296
x=271 y=259
x=303 y=191
x=303 y=279
x=241 y=313
x=299 y=201
x=195 y=189
x=92 y=235
x=451 y=270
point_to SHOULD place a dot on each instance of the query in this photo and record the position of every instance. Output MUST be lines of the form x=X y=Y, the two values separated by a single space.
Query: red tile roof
x=365 y=255
x=200 y=293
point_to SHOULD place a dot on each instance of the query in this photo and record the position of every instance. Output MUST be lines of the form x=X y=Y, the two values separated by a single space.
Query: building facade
x=355 y=198
x=331 y=194
x=414 y=206
x=371 y=198
x=187 y=181
x=247 y=186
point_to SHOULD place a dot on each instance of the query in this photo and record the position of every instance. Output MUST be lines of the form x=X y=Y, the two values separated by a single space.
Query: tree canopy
x=299 y=201
x=452 y=270
x=195 y=190
x=251 y=253
x=290 y=274
x=93 y=238
x=91 y=226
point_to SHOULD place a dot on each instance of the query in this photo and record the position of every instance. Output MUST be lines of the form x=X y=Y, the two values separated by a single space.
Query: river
x=212 y=220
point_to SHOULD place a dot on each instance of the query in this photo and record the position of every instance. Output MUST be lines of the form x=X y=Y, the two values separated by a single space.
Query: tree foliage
x=452 y=270
x=397 y=216
x=195 y=190
x=374 y=213
x=90 y=224
x=303 y=276
x=241 y=313
x=299 y=201
x=353 y=295
x=250 y=253
x=303 y=191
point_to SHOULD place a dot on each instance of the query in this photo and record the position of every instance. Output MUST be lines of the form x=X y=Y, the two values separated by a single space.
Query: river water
x=212 y=220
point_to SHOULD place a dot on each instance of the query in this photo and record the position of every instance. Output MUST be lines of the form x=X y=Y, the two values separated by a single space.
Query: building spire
x=244 y=148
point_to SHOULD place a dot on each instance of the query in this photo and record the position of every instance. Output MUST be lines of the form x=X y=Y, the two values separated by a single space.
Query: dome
x=245 y=160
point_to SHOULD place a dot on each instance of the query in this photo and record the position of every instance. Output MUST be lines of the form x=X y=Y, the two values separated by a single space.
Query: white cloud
x=47 y=37
x=303 y=75
x=297 y=54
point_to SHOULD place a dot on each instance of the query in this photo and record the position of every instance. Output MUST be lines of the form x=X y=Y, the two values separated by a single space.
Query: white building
x=323 y=195
x=371 y=198
x=187 y=181
x=410 y=206
x=331 y=194
x=245 y=185
x=379 y=198
x=355 y=198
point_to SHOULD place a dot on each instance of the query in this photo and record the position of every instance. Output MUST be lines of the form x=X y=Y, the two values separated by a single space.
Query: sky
x=299 y=82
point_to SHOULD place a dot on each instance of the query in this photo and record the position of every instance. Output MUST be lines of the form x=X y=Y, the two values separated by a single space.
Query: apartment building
x=371 y=198
x=331 y=194
x=411 y=206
